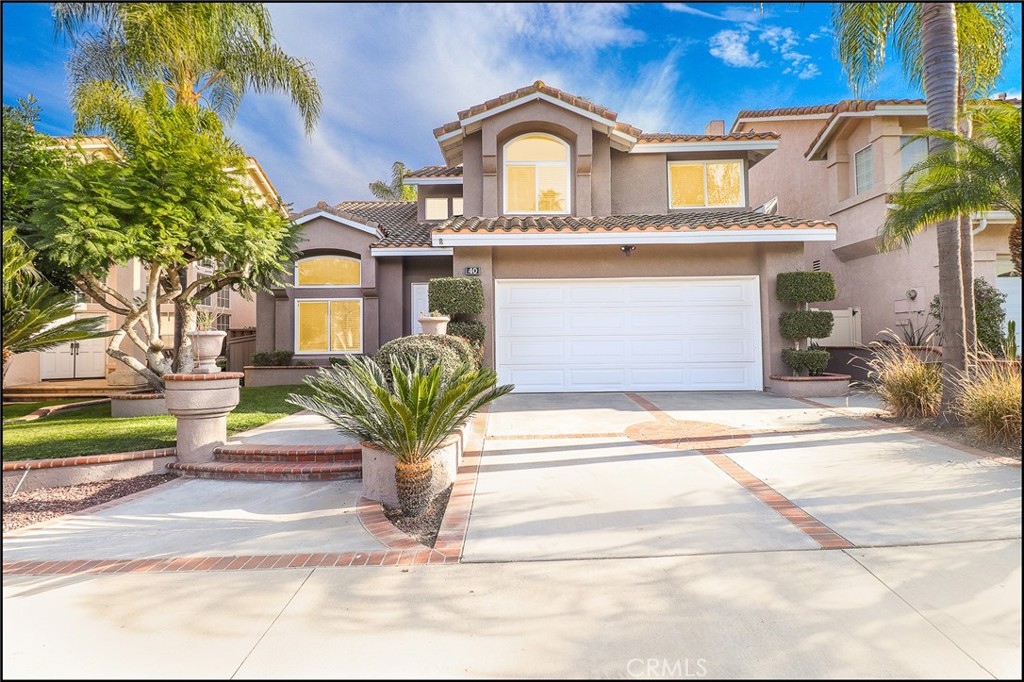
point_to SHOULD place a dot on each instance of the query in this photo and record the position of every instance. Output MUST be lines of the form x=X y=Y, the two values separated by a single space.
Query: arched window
x=327 y=271
x=536 y=175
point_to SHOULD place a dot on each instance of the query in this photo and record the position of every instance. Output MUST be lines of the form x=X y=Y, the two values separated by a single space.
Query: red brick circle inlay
x=675 y=434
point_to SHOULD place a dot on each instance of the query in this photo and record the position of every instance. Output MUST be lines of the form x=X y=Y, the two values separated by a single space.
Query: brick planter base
x=30 y=474
x=825 y=386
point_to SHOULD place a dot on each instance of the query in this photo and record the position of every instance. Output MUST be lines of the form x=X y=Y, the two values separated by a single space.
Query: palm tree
x=971 y=175
x=409 y=417
x=396 y=190
x=35 y=311
x=947 y=48
x=203 y=53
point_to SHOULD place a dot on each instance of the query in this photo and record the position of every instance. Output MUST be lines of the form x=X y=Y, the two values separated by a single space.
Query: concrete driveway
x=660 y=474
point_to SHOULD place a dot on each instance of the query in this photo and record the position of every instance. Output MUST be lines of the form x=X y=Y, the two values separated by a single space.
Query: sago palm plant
x=409 y=417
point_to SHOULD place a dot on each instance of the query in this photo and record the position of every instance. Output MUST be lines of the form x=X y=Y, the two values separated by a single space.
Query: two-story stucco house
x=88 y=359
x=610 y=258
x=840 y=161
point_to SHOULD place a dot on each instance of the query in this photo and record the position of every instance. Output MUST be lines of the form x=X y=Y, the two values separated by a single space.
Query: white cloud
x=778 y=38
x=731 y=47
x=391 y=73
x=731 y=14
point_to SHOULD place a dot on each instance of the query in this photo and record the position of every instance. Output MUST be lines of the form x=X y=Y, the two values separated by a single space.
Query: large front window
x=705 y=184
x=536 y=175
x=329 y=326
x=327 y=271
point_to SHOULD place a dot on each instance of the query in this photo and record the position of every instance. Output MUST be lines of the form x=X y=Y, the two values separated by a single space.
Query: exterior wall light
x=627 y=249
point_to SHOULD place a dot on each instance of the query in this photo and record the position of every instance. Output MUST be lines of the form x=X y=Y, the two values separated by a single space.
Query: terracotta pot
x=207 y=346
x=436 y=326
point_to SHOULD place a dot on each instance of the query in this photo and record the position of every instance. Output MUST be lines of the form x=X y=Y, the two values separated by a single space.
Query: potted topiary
x=461 y=298
x=434 y=323
x=808 y=378
x=207 y=341
x=408 y=418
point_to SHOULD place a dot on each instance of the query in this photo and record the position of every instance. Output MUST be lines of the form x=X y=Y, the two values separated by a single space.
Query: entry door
x=654 y=334
x=419 y=305
x=76 y=360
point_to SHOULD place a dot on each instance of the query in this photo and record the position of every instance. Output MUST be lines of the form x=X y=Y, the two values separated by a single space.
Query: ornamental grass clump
x=408 y=415
x=910 y=387
x=990 y=401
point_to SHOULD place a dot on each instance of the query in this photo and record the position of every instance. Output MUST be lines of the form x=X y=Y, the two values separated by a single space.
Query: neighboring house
x=840 y=161
x=88 y=359
x=610 y=258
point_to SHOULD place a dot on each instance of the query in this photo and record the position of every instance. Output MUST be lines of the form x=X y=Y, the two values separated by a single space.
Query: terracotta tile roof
x=537 y=86
x=396 y=219
x=740 y=219
x=436 y=172
x=649 y=138
x=843 y=105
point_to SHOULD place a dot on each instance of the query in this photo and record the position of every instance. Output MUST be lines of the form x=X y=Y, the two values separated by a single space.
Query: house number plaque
x=473 y=270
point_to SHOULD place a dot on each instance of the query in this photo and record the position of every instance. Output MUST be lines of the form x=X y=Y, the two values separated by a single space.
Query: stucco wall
x=418 y=269
x=663 y=260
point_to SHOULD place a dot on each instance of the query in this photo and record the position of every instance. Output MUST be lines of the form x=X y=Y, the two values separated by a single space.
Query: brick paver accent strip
x=22 y=464
x=819 y=532
x=675 y=434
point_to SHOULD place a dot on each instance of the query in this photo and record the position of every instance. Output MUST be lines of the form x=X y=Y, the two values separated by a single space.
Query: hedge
x=806 y=324
x=447 y=352
x=276 y=358
x=813 y=362
x=468 y=329
x=805 y=287
x=989 y=315
x=456 y=295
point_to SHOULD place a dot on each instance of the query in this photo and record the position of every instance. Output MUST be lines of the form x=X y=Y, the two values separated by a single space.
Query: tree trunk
x=1015 y=246
x=185 y=319
x=967 y=255
x=413 y=482
x=941 y=75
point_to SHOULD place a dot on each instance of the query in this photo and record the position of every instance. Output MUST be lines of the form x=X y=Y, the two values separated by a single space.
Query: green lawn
x=92 y=431
x=15 y=410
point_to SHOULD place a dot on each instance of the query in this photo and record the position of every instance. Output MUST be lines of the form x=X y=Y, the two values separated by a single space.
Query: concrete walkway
x=788 y=540
x=301 y=428
x=948 y=611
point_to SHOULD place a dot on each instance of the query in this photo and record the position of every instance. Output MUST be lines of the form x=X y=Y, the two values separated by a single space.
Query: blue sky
x=391 y=73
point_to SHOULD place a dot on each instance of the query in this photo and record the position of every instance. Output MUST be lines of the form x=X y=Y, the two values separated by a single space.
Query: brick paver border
x=22 y=464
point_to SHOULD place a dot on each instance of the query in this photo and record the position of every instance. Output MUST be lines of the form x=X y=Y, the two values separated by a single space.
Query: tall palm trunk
x=967 y=250
x=941 y=77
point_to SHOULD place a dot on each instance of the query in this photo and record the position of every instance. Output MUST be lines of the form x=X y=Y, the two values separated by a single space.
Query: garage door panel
x=640 y=334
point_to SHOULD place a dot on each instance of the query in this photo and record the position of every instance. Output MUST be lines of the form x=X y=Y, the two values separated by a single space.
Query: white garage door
x=650 y=334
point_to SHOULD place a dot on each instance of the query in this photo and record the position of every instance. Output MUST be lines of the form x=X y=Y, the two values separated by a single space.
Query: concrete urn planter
x=201 y=403
x=435 y=326
x=207 y=346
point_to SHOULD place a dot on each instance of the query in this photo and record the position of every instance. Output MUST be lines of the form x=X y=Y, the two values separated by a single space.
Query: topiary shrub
x=433 y=350
x=456 y=295
x=276 y=358
x=801 y=288
x=813 y=362
x=806 y=324
x=989 y=315
x=463 y=348
x=805 y=287
x=468 y=329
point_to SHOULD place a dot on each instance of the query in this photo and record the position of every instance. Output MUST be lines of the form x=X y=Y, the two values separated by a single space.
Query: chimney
x=715 y=128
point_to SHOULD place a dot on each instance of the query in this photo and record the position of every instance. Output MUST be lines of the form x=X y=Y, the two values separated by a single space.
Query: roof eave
x=688 y=236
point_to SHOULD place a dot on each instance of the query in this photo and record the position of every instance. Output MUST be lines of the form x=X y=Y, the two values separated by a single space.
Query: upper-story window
x=536 y=175
x=912 y=151
x=327 y=271
x=864 y=170
x=441 y=208
x=703 y=184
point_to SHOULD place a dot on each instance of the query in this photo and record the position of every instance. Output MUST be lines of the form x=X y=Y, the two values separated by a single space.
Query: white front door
x=57 y=363
x=652 y=334
x=418 y=307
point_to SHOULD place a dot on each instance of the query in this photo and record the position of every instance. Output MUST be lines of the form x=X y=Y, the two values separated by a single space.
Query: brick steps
x=278 y=463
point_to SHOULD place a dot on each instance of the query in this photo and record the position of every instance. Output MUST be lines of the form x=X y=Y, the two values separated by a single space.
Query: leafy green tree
x=174 y=199
x=991 y=316
x=205 y=54
x=950 y=50
x=396 y=189
x=971 y=175
x=35 y=313
x=27 y=156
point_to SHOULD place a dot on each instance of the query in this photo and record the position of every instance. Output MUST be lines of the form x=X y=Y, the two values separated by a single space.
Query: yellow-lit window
x=456 y=205
x=334 y=326
x=327 y=271
x=702 y=184
x=436 y=208
x=536 y=175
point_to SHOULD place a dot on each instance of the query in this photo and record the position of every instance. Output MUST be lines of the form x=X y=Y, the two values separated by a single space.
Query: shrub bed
x=907 y=385
x=990 y=402
x=275 y=358
x=432 y=350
